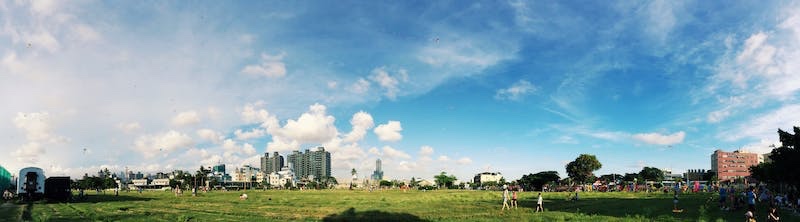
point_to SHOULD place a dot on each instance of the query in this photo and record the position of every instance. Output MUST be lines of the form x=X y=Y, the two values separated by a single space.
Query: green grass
x=392 y=205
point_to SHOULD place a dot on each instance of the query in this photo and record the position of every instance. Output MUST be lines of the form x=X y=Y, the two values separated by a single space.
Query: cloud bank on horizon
x=517 y=87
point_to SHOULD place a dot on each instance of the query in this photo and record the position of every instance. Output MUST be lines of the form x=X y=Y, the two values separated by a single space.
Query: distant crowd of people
x=731 y=199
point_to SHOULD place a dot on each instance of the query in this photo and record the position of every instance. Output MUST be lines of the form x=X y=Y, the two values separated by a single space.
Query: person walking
x=539 y=204
x=505 y=200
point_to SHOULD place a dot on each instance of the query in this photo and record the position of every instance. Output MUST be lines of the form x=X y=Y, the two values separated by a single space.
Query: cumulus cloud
x=129 y=127
x=660 y=139
x=253 y=113
x=210 y=135
x=314 y=126
x=516 y=91
x=271 y=66
x=360 y=86
x=38 y=131
x=464 y=161
x=425 y=150
x=389 y=82
x=29 y=153
x=443 y=158
x=361 y=122
x=151 y=145
x=231 y=148
x=252 y=134
x=389 y=131
x=390 y=152
x=37 y=127
x=186 y=118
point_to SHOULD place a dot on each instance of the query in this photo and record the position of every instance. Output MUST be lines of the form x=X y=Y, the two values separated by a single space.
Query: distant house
x=280 y=178
x=487 y=177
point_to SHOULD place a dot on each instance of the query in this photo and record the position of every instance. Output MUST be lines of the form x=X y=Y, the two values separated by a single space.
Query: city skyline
x=463 y=87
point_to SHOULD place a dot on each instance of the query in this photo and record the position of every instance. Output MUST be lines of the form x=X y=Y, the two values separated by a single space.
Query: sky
x=464 y=87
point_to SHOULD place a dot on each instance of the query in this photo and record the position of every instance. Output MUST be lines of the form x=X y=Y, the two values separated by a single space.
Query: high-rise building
x=271 y=164
x=313 y=165
x=732 y=165
x=377 y=175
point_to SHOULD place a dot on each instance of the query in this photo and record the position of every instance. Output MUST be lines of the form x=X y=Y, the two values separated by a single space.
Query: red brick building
x=732 y=165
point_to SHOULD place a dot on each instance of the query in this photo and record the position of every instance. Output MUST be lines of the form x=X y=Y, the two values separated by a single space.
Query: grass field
x=391 y=205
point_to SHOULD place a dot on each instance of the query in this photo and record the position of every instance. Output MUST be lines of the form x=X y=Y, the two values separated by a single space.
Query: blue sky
x=512 y=86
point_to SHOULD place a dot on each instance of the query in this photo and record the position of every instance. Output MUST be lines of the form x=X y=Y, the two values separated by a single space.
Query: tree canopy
x=581 y=169
x=784 y=161
x=652 y=174
x=537 y=180
x=444 y=180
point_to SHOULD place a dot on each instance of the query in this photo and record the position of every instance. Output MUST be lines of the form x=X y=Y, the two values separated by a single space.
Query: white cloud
x=425 y=150
x=374 y=151
x=360 y=86
x=252 y=134
x=186 y=118
x=37 y=127
x=280 y=144
x=271 y=66
x=660 y=139
x=464 y=161
x=764 y=125
x=232 y=148
x=717 y=116
x=390 y=152
x=516 y=91
x=388 y=82
x=85 y=33
x=152 y=145
x=332 y=84
x=761 y=147
x=443 y=158
x=361 y=122
x=210 y=135
x=129 y=127
x=566 y=140
x=389 y=131
x=462 y=52
x=29 y=153
x=252 y=114
x=314 y=126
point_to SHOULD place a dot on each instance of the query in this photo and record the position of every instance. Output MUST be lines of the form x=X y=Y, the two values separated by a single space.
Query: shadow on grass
x=371 y=215
x=106 y=198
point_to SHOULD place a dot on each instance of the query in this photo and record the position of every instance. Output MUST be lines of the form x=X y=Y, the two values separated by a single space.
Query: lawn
x=391 y=205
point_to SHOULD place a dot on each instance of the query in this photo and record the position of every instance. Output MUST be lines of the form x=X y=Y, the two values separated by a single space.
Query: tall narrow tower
x=378 y=173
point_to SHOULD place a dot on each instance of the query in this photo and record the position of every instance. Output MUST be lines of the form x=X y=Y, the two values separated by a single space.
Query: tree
x=385 y=183
x=536 y=181
x=413 y=182
x=581 y=169
x=785 y=158
x=444 y=179
x=630 y=177
x=652 y=174
x=611 y=177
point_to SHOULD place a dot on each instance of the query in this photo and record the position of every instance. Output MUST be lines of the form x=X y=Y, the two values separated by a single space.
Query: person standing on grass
x=723 y=197
x=751 y=199
x=514 y=199
x=773 y=215
x=539 y=204
x=505 y=199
